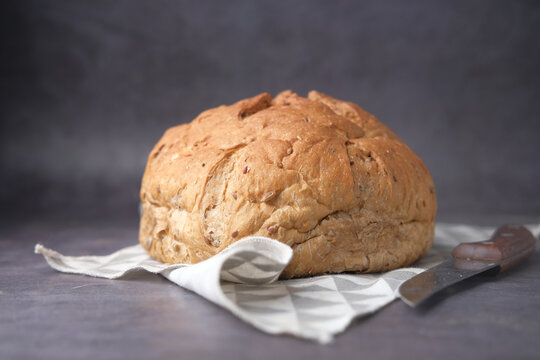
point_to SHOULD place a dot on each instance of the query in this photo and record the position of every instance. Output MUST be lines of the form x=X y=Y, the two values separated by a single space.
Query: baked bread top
x=319 y=174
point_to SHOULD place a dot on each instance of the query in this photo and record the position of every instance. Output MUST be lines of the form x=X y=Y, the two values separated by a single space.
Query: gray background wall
x=87 y=87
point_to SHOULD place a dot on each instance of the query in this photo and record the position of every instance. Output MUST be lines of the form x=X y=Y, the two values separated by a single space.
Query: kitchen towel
x=244 y=280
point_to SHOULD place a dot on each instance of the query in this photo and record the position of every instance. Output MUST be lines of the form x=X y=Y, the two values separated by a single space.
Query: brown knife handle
x=509 y=246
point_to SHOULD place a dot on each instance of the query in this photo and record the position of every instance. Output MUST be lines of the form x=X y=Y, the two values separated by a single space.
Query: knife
x=509 y=246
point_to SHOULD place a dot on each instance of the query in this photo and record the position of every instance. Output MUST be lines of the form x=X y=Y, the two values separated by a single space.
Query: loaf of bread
x=318 y=174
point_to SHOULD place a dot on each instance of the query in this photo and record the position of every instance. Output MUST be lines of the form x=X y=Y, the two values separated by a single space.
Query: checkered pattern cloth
x=244 y=280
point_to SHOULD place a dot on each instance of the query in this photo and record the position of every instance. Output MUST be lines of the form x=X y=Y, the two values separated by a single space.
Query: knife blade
x=509 y=246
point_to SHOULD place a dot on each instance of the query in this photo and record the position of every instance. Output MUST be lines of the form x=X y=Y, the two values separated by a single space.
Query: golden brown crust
x=319 y=174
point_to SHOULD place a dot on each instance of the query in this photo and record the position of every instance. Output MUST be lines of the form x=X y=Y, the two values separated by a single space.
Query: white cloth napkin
x=244 y=280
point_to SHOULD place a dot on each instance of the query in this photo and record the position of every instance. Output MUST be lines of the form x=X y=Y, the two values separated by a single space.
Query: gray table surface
x=49 y=315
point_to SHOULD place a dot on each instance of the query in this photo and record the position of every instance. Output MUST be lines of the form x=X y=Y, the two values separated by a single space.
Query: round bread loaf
x=318 y=174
